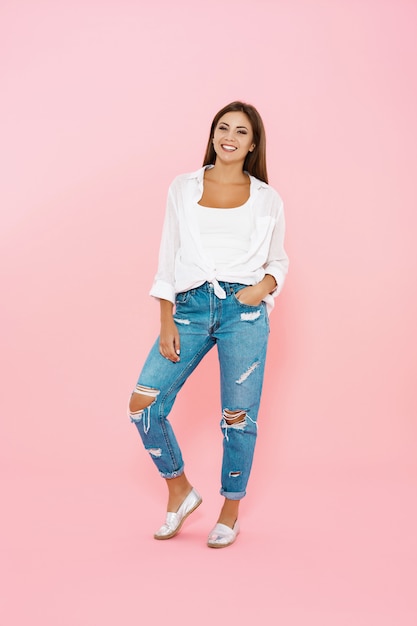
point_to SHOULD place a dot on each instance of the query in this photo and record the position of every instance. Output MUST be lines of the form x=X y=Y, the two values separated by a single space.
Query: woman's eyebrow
x=226 y=124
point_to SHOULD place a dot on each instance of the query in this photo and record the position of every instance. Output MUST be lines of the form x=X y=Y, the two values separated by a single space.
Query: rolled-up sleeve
x=277 y=262
x=164 y=282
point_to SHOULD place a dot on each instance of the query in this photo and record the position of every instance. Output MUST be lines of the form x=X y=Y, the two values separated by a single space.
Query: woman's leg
x=229 y=512
x=178 y=487
x=153 y=398
x=157 y=388
x=242 y=342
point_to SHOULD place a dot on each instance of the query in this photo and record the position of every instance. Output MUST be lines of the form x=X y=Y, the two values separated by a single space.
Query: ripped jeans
x=240 y=332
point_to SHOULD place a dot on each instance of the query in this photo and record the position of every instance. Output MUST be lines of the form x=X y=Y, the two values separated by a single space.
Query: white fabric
x=183 y=264
x=225 y=234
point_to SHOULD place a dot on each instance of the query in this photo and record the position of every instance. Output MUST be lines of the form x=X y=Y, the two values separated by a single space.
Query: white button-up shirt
x=183 y=264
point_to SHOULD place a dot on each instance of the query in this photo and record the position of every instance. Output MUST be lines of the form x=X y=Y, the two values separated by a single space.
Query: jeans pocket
x=242 y=304
x=183 y=297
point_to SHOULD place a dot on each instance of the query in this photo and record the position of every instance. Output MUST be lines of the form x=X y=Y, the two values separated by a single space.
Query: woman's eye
x=242 y=132
x=222 y=128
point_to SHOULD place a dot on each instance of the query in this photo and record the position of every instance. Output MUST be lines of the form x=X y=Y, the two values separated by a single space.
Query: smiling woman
x=222 y=262
x=232 y=142
x=252 y=125
x=231 y=135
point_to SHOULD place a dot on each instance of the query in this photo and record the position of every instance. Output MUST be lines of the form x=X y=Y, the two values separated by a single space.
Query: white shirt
x=183 y=264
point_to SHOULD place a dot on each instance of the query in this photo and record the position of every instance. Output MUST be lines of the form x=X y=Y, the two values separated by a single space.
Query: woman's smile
x=228 y=147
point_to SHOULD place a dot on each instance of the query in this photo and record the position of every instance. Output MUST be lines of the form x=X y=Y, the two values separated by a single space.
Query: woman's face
x=233 y=137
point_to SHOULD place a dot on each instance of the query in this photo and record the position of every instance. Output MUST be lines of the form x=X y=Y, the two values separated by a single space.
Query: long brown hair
x=255 y=162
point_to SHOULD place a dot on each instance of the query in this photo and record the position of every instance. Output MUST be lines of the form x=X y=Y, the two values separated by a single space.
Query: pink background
x=102 y=104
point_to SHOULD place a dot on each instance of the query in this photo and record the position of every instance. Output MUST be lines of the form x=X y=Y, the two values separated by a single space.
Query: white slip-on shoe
x=174 y=521
x=222 y=536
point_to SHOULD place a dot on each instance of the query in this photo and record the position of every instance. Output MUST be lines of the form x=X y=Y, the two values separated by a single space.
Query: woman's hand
x=169 y=337
x=250 y=295
x=254 y=294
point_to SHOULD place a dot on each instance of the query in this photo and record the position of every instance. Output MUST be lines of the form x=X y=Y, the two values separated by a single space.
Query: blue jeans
x=240 y=332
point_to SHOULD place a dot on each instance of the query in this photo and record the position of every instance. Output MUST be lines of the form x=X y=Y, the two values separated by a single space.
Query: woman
x=221 y=263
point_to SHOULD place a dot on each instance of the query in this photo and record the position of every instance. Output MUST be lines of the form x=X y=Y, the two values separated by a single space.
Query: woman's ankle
x=178 y=490
x=229 y=513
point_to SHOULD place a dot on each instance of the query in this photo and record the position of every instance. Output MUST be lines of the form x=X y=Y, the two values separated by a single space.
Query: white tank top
x=225 y=233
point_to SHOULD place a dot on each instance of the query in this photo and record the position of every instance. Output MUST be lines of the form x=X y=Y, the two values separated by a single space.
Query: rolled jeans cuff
x=169 y=475
x=233 y=495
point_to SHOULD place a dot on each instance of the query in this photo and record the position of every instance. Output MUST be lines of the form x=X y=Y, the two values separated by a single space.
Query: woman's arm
x=163 y=285
x=169 y=338
x=277 y=262
x=276 y=266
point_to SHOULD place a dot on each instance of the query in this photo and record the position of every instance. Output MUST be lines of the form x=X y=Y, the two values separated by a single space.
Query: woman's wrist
x=267 y=285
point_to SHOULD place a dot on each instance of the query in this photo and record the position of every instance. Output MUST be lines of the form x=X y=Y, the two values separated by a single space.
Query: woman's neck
x=227 y=174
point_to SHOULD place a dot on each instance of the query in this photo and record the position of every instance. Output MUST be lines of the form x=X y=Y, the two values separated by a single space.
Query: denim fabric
x=241 y=334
